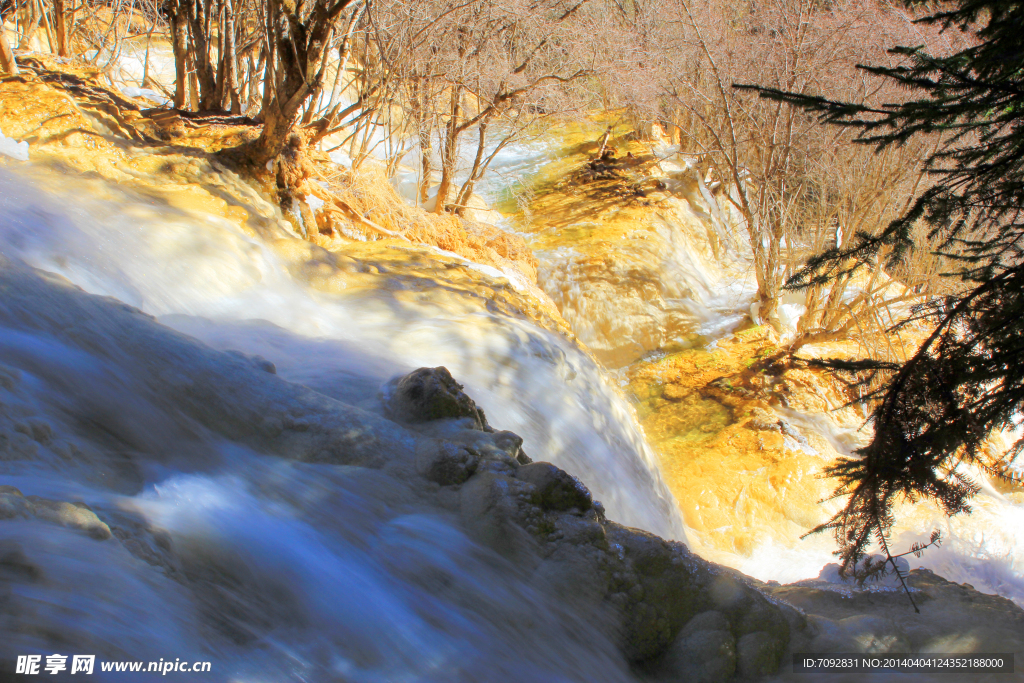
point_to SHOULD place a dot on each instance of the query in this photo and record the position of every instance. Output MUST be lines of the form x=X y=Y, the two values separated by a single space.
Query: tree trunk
x=255 y=67
x=462 y=199
x=29 y=24
x=228 y=76
x=218 y=89
x=7 y=63
x=449 y=149
x=199 y=25
x=193 y=84
x=300 y=48
x=423 y=129
x=179 y=43
x=47 y=24
x=60 y=23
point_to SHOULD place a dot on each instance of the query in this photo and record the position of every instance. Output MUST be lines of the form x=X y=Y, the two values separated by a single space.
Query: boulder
x=555 y=489
x=705 y=651
x=429 y=394
x=15 y=505
x=759 y=654
x=449 y=464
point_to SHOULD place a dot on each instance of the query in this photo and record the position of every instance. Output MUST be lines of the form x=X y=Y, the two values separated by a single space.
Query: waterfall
x=281 y=570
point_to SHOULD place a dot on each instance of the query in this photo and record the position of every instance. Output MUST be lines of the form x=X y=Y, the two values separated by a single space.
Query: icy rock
x=512 y=445
x=257 y=360
x=448 y=465
x=953 y=618
x=645 y=588
x=431 y=402
x=227 y=393
x=636 y=589
x=14 y=564
x=865 y=633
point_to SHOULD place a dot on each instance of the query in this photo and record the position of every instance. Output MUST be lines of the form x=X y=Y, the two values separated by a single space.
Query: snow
x=314 y=203
x=146 y=93
x=12 y=148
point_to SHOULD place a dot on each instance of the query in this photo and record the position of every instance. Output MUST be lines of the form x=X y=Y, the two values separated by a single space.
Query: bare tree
x=298 y=37
x=479 y=67
x=7 y=62
x=789 y=181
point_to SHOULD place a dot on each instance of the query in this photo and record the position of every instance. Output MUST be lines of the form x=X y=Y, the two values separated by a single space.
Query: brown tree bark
x=199 y=26
x=229 y=63
x=449 y=149
x=226 y=91
x=423 y=130
x=7 y=63
x=29 y=23
x=178 y=20
x=60 y=24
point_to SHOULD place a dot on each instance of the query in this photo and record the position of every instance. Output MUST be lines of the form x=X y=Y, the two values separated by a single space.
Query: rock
x=15 y=505
x=759 y=654
x=555 y=489
x=258 y=361
x=429 y=394
x=953 y=618
x=264 y=364
x=670 y=591
x=704 y=651
x=675 y=392
x=645 y=588
x=14 y=564
x=861 y=633
x=706 y=621
x=764 y=421
x=495 y=516
x=637 y=590
x=512 y=444
x=450 y=464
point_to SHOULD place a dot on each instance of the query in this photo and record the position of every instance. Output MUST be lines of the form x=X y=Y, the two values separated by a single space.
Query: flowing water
x=577 y=246
x=345 y=562
x=307 y=572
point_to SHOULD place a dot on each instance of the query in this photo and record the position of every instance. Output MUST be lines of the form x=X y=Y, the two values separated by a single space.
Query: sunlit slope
x=627 y=247
x=630 y=253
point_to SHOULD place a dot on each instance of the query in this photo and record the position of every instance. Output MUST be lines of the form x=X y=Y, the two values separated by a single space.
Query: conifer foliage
x=934 y=412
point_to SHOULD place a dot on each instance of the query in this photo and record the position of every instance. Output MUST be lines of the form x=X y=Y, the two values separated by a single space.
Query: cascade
x=340 y=572
x=335 y=571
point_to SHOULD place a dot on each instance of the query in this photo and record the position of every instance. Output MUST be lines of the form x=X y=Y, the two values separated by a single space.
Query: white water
x=355 y=578
x=985 y=548
x=294 y=571
x=201 y=275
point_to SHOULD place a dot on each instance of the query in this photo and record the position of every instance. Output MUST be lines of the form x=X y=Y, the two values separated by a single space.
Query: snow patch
x=146 y=94
x=13 y=149
x=314 y=203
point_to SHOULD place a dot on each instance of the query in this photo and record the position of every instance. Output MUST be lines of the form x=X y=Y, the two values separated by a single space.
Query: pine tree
x=934 y=412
